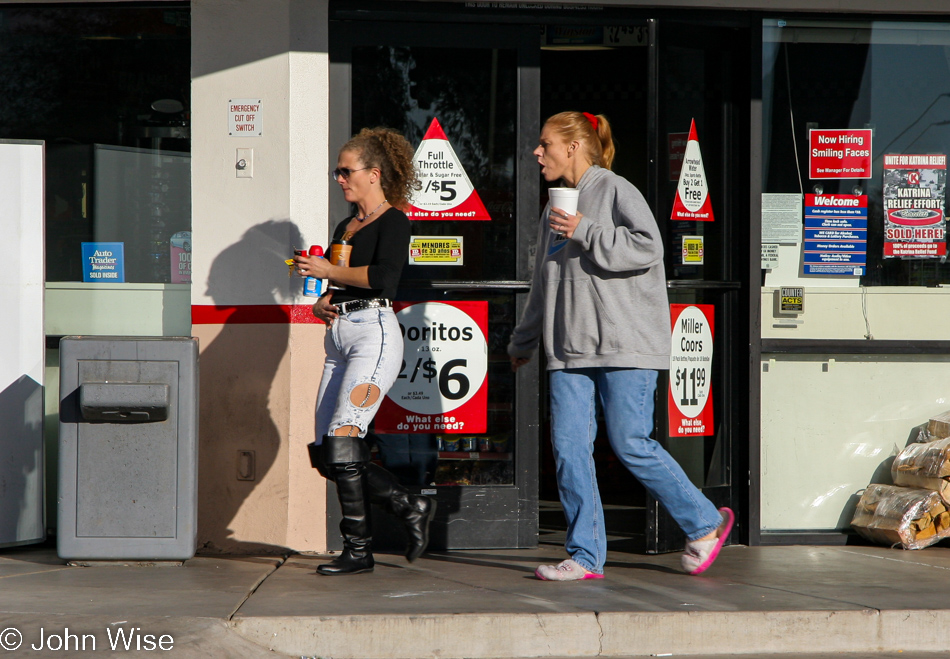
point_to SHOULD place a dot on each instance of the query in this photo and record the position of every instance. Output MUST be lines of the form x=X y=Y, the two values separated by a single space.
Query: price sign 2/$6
x=442 y=386
x=691 y=351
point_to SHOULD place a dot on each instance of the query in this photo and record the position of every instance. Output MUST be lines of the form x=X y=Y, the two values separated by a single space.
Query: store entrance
x=458 y=425
x=476 y=92
x=655 y=80
x=612 y=81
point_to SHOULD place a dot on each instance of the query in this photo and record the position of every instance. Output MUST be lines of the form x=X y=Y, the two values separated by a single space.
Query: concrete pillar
x=261 y=351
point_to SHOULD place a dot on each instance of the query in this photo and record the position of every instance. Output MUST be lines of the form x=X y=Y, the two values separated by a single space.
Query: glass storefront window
x=889 y=78
x=108 y=90
x=835 y=413
x=472 y=93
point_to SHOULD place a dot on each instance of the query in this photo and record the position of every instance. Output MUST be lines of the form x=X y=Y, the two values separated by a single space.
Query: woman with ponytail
x=598 y=300
x=364 y=344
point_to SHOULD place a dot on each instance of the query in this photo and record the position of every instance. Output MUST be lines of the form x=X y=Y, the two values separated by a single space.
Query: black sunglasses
x=345 y=172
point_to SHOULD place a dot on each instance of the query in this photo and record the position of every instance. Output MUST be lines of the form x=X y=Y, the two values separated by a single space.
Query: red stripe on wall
x=252 y=314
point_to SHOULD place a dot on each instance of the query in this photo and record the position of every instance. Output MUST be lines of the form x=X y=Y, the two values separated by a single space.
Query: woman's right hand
x=563 y=223
x=518 y=362
x=325 y=310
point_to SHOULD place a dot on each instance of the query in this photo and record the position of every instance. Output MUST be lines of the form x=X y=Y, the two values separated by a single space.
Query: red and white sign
x=447 y=193
x=839 y=153
x=915 y=226
x=692 y=194
x=443 y=384
x=245 y=117
x=690 y=391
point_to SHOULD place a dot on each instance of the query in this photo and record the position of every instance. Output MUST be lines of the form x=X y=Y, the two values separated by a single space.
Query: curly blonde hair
x=388 y=151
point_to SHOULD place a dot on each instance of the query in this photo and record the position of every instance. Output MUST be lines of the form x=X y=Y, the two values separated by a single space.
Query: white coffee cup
x=564 y=198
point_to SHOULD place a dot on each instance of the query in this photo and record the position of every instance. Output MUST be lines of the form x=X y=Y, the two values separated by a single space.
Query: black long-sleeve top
x=383 y=245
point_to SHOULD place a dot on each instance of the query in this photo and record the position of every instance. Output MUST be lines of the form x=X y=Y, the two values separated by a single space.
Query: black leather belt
x=357 y=305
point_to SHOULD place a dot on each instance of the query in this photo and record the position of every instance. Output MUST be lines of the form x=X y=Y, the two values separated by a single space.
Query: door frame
x=471 y=506
x=662 y=533
x=495 y=28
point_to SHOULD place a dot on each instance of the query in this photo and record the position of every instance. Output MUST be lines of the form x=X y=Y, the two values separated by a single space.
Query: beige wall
x=885 y=312
x=259 y=370
x=832 y=424
x=258 y=388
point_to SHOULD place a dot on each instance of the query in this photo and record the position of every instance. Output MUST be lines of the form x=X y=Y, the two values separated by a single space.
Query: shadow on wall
x=237 y=373
x=21 y=462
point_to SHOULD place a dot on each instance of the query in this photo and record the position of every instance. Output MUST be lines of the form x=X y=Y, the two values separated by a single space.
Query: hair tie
x=592 y=119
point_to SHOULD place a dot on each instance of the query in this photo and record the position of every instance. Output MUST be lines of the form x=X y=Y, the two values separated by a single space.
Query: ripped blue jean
x=362 y=347
x=626 y=395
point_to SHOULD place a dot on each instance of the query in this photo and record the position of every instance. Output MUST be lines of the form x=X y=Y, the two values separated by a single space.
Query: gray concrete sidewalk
x=484 y=604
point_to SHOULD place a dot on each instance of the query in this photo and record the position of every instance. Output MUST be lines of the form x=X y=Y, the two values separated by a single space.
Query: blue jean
x=363 y=347
x=412 y=458
x=626 y=395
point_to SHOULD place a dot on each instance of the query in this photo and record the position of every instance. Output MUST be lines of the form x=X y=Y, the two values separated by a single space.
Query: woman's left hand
x=563 y=223
x=312 y=266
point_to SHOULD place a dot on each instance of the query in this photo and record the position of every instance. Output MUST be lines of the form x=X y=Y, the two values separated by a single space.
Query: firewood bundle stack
x=926 y=466
x=907 y=516
x=912 y=513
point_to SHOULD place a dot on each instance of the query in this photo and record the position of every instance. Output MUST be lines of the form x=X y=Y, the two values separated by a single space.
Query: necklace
x=371 y=213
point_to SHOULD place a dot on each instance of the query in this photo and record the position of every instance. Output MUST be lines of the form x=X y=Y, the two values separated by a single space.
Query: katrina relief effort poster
x=915 y=226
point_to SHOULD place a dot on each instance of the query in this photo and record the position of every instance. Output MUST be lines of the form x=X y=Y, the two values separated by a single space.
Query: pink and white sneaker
x=700 y=554
x=565 y=571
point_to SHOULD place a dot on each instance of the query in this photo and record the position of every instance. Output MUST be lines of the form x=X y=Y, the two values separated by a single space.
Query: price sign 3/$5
x=443 y=384
x=690 y=391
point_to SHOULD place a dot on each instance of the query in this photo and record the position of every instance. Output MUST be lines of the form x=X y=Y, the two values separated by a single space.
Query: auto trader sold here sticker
x=915 y=225
x=443 y=384
x=692 y=194
x=690 y=391
x=447 y=193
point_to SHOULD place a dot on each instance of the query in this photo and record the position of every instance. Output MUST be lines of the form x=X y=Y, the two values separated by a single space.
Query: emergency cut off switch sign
x=245 y=117
x=244 y=163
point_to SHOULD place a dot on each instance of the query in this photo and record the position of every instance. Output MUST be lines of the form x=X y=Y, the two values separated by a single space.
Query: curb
x=484 y=636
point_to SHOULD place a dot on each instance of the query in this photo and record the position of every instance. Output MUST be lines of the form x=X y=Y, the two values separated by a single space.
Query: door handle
x=700 y=283
x=515 y=285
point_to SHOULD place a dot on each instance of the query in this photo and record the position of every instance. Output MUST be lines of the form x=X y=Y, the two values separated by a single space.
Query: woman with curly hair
x=364 y=344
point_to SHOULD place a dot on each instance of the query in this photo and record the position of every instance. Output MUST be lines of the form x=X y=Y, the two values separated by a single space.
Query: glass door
x=458 y=425
x=700 y=86
x=601 y=69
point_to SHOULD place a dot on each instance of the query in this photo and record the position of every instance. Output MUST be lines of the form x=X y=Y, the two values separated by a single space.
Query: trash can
x=128 y=448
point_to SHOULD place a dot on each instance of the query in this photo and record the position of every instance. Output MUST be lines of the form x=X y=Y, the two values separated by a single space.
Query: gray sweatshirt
x=599 y=299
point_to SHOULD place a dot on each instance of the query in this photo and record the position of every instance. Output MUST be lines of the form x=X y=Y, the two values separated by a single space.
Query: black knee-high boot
x=346 y=459
x=416 y=512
